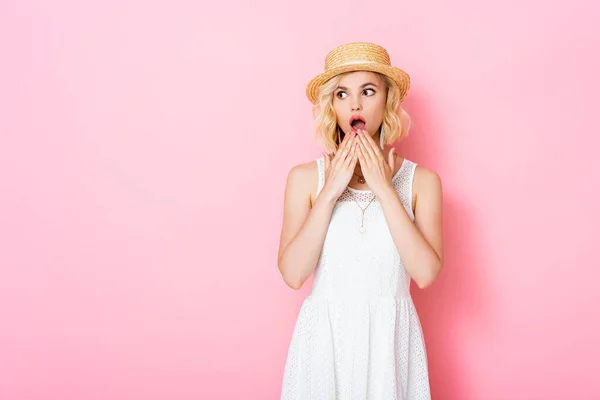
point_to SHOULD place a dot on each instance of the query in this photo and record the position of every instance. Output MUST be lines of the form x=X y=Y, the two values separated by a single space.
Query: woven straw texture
x=358 y=56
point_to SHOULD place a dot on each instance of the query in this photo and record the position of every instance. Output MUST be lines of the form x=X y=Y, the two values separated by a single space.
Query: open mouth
x=357 y=122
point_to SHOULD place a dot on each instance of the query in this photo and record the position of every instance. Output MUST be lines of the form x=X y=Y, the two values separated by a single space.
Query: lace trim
x=321 y=169
x=365 y=196
x=402 y=183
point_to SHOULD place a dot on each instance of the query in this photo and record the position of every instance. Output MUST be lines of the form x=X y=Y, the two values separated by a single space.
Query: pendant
x=362 y=229
x=361 y=180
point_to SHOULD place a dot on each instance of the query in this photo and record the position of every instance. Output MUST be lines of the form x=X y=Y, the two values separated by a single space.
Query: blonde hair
x=395 y=125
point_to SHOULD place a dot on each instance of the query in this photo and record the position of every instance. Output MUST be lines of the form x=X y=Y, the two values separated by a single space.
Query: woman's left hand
x=376 y=169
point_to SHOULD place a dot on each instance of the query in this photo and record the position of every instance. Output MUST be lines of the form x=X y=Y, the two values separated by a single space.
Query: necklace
x=362 y=228
x=361 y=179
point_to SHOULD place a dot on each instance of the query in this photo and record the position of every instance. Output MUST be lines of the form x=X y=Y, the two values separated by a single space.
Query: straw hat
x=358 y=56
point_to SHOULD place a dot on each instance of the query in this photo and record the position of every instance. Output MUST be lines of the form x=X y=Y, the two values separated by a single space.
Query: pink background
x=143 y=154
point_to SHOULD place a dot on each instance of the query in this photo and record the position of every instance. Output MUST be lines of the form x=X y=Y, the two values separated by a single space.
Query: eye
x=339 y=93
x=370 y=90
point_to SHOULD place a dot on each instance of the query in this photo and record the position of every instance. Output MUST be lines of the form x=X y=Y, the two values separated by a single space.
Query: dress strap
x=321 y=169
x=412 y=167
x=404 y=185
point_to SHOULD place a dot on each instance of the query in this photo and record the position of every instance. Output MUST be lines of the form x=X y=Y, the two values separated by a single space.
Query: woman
x=365 y=222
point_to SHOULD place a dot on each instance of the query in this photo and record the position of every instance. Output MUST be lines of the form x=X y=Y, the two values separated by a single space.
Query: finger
x=347 y=137
x=346 y=151
x=361 y=156
x=352 y=154
x=354 y=159
x=366 y=147
x=363 y=151
x=392 y=158
x=349 y=140
x=326 y=158
x=341 y=147
x=372 y=147
x=368 y=136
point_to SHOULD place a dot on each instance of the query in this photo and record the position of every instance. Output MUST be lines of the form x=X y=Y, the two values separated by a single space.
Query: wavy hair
x=395 y=125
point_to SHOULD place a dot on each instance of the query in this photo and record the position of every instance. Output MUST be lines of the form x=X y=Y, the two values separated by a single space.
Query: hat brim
x=401 y=78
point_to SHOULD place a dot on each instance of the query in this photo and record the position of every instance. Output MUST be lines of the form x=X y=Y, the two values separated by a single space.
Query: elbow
x=296 y=285
x=424 y=283
x=292 y=281
x=431 y=276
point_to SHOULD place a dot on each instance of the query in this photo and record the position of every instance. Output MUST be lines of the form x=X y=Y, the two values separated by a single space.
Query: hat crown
x=357 y=56
x=357 y=53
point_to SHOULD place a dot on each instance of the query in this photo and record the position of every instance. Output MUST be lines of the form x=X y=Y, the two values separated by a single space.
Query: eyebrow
x=361 y=86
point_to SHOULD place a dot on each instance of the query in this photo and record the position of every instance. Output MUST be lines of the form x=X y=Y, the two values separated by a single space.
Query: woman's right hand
x=339 y=168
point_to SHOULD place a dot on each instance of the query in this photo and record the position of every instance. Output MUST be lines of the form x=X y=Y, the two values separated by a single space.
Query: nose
x=356 y=105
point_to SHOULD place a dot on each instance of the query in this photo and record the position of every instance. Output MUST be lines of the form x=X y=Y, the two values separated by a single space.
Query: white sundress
x=358 y=335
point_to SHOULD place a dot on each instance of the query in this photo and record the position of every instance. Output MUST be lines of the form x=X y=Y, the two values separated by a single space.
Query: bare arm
x=419 y=243
x=304 y=227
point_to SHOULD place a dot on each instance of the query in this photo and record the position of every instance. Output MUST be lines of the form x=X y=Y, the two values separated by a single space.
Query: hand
x=340 y=167
x=377 y=171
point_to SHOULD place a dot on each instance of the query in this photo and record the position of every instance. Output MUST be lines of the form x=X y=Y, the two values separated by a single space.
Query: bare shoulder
x=427 y=185
x=297 y=200
x=426 y=179
x=429 y=208
x=303 y=179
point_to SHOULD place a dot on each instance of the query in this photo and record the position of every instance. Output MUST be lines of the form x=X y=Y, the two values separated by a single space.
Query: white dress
x=358 y=335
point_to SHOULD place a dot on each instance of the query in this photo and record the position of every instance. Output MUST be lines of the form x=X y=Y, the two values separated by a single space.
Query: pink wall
x=143 y=155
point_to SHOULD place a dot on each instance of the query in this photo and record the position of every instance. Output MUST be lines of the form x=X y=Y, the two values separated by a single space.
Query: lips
x=357 y=122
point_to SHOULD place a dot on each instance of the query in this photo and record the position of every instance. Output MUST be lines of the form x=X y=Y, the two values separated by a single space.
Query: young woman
x=365 y=221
